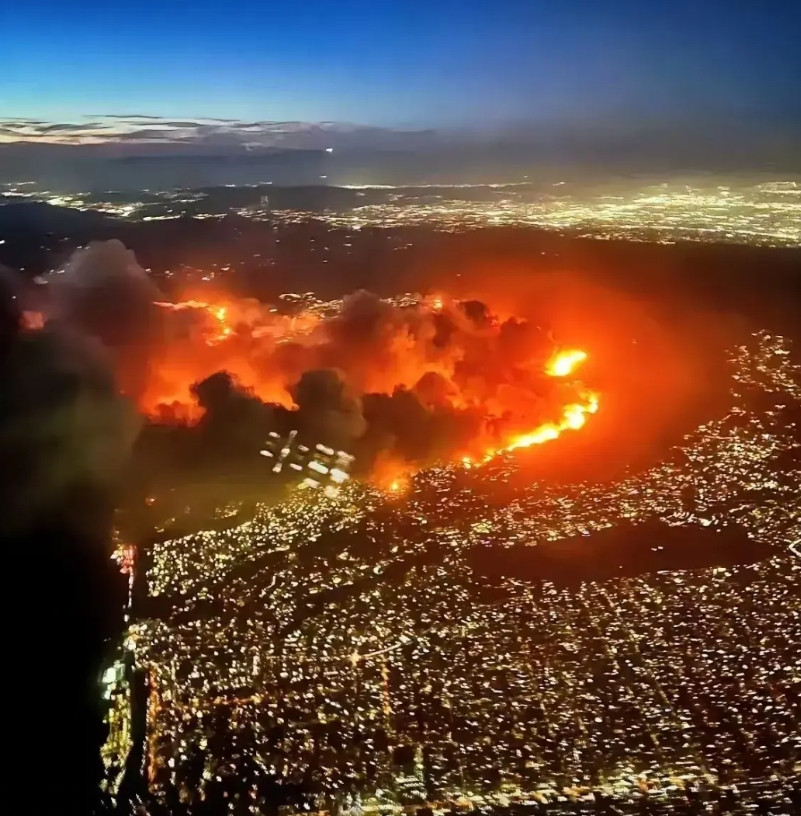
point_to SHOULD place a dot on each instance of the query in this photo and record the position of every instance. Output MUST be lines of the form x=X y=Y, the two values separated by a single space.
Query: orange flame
x=390 y=474
x=574 y=416
x=218 y=313
x=565 y=363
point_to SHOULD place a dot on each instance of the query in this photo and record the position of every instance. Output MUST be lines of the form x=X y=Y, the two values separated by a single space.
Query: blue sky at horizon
x=410 y=64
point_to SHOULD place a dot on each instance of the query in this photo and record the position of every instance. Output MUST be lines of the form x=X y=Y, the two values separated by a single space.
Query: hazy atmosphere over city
x=400 y=407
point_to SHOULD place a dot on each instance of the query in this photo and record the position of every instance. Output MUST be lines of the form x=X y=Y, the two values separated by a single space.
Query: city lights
x=357 y=620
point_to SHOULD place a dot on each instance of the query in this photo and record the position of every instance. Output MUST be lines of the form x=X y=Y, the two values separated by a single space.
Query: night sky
x=419 y=63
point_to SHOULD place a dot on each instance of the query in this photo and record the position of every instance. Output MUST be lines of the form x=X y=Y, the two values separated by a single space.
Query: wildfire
x=398 y=383
x=440 y=353
x=219 y=314
x=574 y=415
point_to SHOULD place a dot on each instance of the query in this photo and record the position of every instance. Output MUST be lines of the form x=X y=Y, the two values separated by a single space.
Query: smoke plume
x=64 y=429
x=65 y=434
x=411 y=380
x=416 y=379
x=103 y=293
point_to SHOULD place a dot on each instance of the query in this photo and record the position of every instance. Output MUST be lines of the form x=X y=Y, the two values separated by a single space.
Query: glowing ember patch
x=33 y=320
x=397 y=487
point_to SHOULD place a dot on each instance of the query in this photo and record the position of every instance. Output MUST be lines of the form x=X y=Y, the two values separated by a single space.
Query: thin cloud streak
x=134 y=128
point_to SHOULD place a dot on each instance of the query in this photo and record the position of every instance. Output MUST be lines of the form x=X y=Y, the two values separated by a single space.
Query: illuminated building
x=323 y=466
x=410 y=786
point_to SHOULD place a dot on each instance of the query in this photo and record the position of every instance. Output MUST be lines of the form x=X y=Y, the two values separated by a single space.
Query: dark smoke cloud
x=381 y=380
x=104 y=293
x=234 y=421
x=65 y=436
x=401 y=426
x=378 y=379
x=64 y=429
x=326 y=411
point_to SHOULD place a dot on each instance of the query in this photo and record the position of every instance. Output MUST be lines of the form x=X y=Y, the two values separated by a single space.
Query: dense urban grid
x=735 y=211
x=355 y=652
